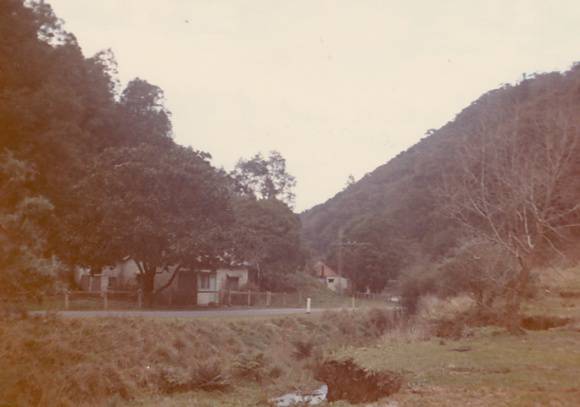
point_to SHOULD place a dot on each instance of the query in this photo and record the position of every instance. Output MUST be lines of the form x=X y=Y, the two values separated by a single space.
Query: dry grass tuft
x=432 y=308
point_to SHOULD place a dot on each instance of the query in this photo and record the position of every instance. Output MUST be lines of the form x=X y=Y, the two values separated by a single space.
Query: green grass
x=492 y=359
x=491 y=367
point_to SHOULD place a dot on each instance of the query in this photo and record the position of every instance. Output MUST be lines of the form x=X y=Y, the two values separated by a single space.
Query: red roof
x=322 y=270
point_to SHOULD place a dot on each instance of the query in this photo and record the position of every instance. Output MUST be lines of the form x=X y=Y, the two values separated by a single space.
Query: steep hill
x=398 y=207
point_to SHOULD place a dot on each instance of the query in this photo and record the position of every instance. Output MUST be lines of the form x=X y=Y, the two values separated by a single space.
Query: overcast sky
x=338 y=87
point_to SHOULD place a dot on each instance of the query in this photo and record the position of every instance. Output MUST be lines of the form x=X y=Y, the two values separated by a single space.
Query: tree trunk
x=170 y=281
x=149 y=285
x=516 y=292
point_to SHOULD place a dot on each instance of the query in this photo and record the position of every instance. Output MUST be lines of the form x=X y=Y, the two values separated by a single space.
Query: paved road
x=186 y=313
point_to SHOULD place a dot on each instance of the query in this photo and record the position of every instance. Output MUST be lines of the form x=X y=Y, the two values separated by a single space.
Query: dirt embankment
x=53 y=361
x=348 y=381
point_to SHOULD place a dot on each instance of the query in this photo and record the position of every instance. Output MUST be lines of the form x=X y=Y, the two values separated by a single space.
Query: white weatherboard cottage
x=188 y=288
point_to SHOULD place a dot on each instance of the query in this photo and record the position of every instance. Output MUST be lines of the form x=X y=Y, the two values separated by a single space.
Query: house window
x=331 y=280
x=204 y=281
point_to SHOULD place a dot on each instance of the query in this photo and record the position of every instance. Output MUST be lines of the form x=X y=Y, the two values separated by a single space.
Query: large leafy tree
x=144 y=117
x=265 y=178
x=367 y=266
x=162 y=207
x=267 y=234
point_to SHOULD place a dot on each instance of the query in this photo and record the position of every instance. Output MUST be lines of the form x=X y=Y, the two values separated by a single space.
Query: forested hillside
x=90 y=174
x=507 y=162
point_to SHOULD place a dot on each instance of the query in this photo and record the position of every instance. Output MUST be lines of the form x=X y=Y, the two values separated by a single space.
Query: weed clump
x=204 y=375
x=252 y=366
x=303 y=347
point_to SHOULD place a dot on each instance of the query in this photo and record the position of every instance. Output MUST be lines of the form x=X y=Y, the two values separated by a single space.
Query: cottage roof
x=322 y=270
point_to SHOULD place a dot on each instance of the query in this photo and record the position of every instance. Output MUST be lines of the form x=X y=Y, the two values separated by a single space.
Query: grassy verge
x=487 y=366
x=246 y=361
x=490 y=368
x=51 y=361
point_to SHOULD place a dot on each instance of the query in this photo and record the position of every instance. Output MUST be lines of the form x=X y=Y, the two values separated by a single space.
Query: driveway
x=248 y=312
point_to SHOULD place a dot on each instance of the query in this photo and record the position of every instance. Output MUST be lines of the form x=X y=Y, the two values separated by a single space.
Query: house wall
x=217 y=280
x=207 y=294
x=337 y=284
x=125 y=276
x=206 y=298
x=222 y=275
x=88 y=282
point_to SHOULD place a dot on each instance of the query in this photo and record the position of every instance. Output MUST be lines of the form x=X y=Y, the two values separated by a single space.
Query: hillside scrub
x=52 y=361
x=502 y=173
x=480 y=272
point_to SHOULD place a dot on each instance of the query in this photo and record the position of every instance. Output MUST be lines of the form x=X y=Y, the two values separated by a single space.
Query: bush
x=413 y=288
x=303 y=347
x=432 y=308
x=379 y=321
x=291 y=282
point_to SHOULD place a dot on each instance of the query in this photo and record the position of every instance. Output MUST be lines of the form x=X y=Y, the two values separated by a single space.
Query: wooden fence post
x=105 y=300
x=66 y=299
x=308 y=304
x=268 y=298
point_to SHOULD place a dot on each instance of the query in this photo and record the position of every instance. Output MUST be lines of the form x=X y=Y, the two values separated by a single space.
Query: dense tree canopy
x=161 y=208
x=268 y=235
x=101 y=164
x=265 y=178
x=24 y=217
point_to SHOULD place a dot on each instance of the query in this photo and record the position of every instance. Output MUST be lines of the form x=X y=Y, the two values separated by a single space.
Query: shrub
x=203 y=375
x=413 y=287
x=432 y=308
x=303 y=347
x=379 y=320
